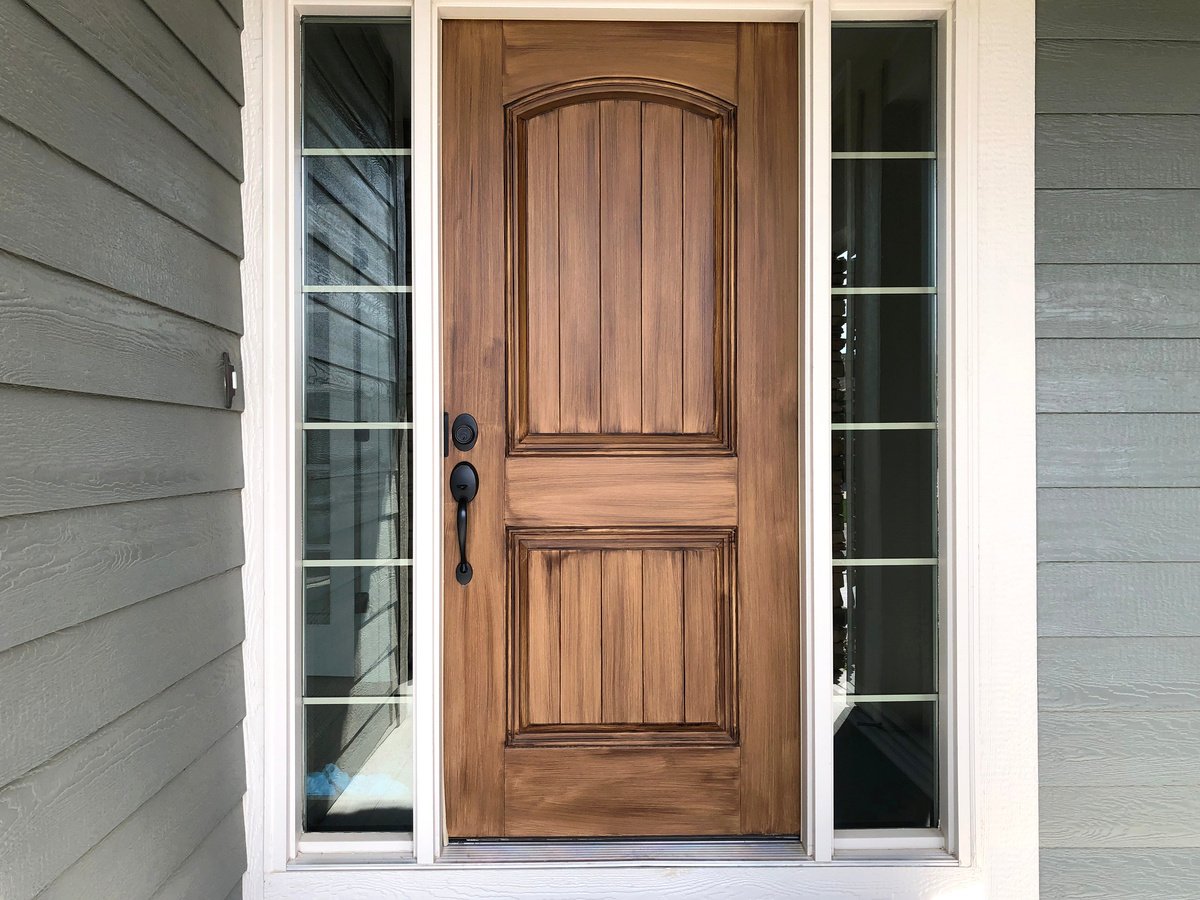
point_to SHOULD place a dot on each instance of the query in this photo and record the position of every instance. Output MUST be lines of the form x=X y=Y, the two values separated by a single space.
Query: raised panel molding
x=620 y=301
x=622 y=637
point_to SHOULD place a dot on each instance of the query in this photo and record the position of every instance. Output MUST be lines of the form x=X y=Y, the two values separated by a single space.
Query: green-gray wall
x=1118 y=305
x=121 y=695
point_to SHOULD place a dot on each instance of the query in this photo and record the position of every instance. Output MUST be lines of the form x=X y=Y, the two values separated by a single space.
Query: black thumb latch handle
x=464 y=485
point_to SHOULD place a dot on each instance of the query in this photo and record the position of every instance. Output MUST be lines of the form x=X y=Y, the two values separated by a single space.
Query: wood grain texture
x=621 y=491
x=62 y=687
x=1147 y=674
x=473 y=262
x=1118 y=301
x=537 y=54
x=1117 y=76
x=134 y=45
x=622 y=638
x=109 y=451
x=1118 y=525
x=90 y=116
x=620 y=266
x=1106 y=151
x=63 y=568
x=1119 y=599
x=579 y=267
x=1162 y=20
x=701 y=326
x=626 y=792
x=68 y=805
x=214 y=867
x=1077 y=873
x=48 y=202
x=211 y=36
x=702 y=647
x=542 y=254
x=1123 y=376
x=68 y=334
x=580 y=636
x=1118 y=450
x=543 y=620
x=1117 y=226
x=1119 y=816
x=140 y=854
x=662 y=269
x=662 y=636
x=1119 y=748
x=768 y=580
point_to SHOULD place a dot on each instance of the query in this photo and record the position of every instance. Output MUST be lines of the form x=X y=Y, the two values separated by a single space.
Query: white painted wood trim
x=990 y=652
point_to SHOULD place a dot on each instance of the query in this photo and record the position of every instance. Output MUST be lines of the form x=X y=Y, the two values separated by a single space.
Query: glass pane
x=883 y=79
x=887 y=504
x=886 y=354
x=356 y=220
x=883 y=216
x=357 y=631
x=357 y=366
x=357 y=84
x=885 y=772
x=888 y=628
x=357 y=494
x=358 y=767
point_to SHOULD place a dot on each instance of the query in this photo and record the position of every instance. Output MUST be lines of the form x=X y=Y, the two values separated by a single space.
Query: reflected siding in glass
x=884 y=426
x=357 y=440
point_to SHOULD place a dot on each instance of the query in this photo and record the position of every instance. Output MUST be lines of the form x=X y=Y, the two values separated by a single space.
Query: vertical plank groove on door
x=662 y=624
x=700 y=635
x=620 y=269
x=542 y=653
x=473 y=267
x=579 y=613
x=541 y=248
x=579 y=267
x=662 y=269
x=768 y=571
x=699 y=273
x=622 y=636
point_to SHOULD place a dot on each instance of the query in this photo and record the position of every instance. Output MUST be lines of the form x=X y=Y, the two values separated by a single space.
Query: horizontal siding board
x=1117 y=226
x=56 y=212
x=1118 y=451
x=53 y=815
x=1078 y=376
x=1118 y=301
x=1119 y=748
x=89 y=115
x=62 y=568
x=1119 y=599
x=1165 y=20
x=1130 y=874
x=1143 y=674
x=1158 y=817
x=65 y=451
x=1087 y=76
x=134 y=45
x=213 y=38
x=1126 y=151
x=63 y=333
x=1119 y=524
x=137 y=856
x=60 y=688
x=233 y=9
x=215 y=867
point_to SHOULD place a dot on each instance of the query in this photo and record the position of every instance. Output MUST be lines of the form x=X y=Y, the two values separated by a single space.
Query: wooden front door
x=620 y=298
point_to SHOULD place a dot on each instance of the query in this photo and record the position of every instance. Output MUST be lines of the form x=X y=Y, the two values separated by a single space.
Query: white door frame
x=989 y=376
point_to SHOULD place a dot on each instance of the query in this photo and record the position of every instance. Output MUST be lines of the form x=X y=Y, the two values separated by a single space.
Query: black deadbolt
x=464 y=432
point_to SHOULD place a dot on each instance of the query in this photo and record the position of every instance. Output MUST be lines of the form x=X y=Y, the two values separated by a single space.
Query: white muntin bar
x=354 y=563
x=897 y=561
x=393 y=700
x=357 y=288
x=884 y=154
x=838 y=291
x=356 y=151
x=357 y=426
x=887 y=698
x=884 y=426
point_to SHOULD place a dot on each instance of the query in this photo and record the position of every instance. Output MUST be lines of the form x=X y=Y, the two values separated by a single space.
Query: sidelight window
x=885 y=427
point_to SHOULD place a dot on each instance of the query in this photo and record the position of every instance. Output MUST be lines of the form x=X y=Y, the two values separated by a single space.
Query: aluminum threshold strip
x=697 y=850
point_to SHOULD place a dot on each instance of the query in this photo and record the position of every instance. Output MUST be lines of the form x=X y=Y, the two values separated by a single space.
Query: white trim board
x=989 y=442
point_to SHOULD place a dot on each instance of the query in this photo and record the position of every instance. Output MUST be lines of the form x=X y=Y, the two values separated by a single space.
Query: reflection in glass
x=890 y=629
x=886 y=350
x=358 y=767
x=883 y=82
x=887 y=505
x=883 y=215
x=885 y=765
